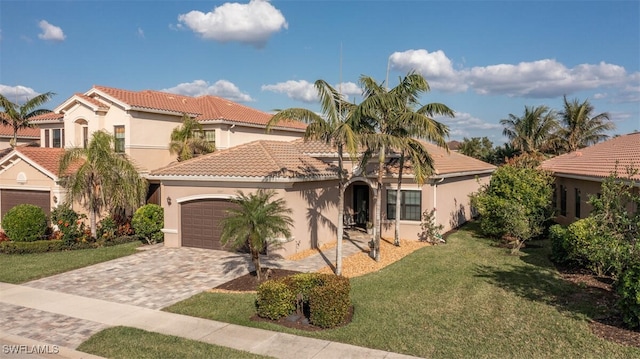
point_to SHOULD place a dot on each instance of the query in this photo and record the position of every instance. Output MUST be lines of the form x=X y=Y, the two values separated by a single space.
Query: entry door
x=361 y=204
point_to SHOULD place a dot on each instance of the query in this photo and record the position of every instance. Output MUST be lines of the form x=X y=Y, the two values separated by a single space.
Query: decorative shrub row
x=325 y=296
x=42 y=246
x=628 y=288
x=25 y=223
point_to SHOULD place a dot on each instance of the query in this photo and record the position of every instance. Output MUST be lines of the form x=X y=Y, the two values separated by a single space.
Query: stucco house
x=141 y=121
x=196 y=193
x=24 y=136
x=579 y=174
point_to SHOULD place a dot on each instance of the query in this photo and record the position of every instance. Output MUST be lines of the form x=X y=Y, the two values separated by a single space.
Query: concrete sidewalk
x=258 y=341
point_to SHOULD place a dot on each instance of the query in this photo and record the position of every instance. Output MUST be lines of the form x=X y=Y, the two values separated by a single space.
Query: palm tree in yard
x=398 y=124
x=580 y=128
x=534 y=132
x=257 y=221
x=101 y=179
x=188 y=140
x=18 y=116
x=337 y=127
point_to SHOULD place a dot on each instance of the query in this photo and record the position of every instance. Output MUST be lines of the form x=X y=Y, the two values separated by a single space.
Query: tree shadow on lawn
x=578 y=295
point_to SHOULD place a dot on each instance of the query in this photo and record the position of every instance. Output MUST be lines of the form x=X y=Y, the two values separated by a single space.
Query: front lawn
x=467 y=298
x=125 y=342
x=20 y=268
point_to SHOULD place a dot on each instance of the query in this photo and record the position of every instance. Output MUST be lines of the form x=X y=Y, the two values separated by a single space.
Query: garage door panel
x=201 y=223
x=10 y=198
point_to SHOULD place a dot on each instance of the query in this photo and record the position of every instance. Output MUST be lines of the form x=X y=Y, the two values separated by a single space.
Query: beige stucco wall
x=230 y=136
x=314 y=225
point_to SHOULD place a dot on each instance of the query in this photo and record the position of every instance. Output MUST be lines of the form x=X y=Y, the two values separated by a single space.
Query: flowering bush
x=69 y=225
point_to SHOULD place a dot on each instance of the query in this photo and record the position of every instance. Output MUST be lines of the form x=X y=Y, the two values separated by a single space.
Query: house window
x=85 y=136
x=410 y=205
x=563 y=200
x=119 y=138
x=577 y=197
x=58 y=138
x=47 y=138
x=210 y=136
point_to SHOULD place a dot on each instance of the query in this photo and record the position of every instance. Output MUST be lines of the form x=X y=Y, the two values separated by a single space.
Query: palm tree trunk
x=92 y=223
x=396 y=238
x=255 y=258
x=377 y=226
x=340 y=233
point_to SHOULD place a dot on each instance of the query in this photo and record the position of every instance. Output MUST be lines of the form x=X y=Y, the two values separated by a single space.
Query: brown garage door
x=200 y=223
x=10 y=198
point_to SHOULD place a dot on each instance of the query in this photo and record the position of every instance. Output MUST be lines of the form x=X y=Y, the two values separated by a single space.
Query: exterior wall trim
x=204 y=196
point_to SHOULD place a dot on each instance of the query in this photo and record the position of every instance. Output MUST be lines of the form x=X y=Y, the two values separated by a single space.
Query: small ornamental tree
x=515 y=205
x=25 y=223
x=148 y=222
x=257 y=221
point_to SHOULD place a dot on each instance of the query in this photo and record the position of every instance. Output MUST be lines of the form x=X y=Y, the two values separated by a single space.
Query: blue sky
x=484 y=59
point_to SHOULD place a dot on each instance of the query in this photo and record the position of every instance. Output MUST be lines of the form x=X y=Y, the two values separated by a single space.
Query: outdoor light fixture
x=169 y=201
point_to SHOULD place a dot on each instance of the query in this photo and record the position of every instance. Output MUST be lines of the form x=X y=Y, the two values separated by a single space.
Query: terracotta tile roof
x=258 y=159
x=93 y=101
x=444 y=163
x=206 y=108
x=26 y=133
x=47 y=158
x=47 y=117
x=599 y=160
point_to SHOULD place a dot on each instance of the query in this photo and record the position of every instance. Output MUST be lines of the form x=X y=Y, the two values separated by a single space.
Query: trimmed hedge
x=329 y=303
x=275 y=300
x=148 y=222
x=11 y=247
x=628 y=288
x=326 y=297
x=25 y=223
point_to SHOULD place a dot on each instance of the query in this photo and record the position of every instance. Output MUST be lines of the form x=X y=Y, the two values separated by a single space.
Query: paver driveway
x=152 y=279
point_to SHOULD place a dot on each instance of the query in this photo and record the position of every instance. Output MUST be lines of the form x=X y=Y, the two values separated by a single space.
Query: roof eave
x=636 y=183
x=240 y=178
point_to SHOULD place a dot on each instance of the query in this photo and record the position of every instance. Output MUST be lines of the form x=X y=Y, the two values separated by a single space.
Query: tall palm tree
x=336 y=126
x=99 y=178
x=188 y=140
x=398 y=124
x=580 y=128
x=257 y=221
x=533 y=133
x=18 y=116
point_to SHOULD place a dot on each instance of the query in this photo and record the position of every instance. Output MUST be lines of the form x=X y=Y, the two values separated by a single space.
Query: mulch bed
x=599 y=290
x=249 y=283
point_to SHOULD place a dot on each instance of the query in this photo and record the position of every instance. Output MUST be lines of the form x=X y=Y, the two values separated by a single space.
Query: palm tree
x=533 y=133
x=257 y=221
x=99 y=178
x=18 y=116
x=337 y=127
x=579 y=127
x=397 y=125
x=188 y=140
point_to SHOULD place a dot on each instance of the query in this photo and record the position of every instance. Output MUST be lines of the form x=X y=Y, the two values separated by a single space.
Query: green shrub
x=561 y=247
x=431 y=229
x=516 y=204
x=329 y=303
x=148 y=222
x=628 y=288
x=25 y=223
x=107 y=229
x=274 y=300
x=40 y=246
x=69 y=224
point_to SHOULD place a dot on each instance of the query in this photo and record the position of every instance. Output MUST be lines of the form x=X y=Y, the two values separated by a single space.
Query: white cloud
x=18 y=94
x=140 y=33
x=349 y=89
x=251 y=23
x=50 y=32
x=298 y=90
x=466 y=125
x=221 y=88
x=545 y=78
x=435 y=67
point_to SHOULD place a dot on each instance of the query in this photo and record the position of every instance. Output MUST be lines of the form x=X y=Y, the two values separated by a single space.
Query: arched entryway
x=358 y=202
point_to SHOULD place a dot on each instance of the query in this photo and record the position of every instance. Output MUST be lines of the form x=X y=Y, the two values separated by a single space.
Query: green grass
x=20 y=268
x=125 y=342
x=467 y=298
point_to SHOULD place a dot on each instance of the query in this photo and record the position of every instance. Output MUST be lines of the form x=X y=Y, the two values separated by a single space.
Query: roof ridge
x=270 y=154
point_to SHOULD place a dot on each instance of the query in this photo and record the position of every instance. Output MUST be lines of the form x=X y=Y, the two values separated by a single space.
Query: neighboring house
x=25 y=136
x=29 y=175
x=196 y=193
x=142 y=123
x=579 y=175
